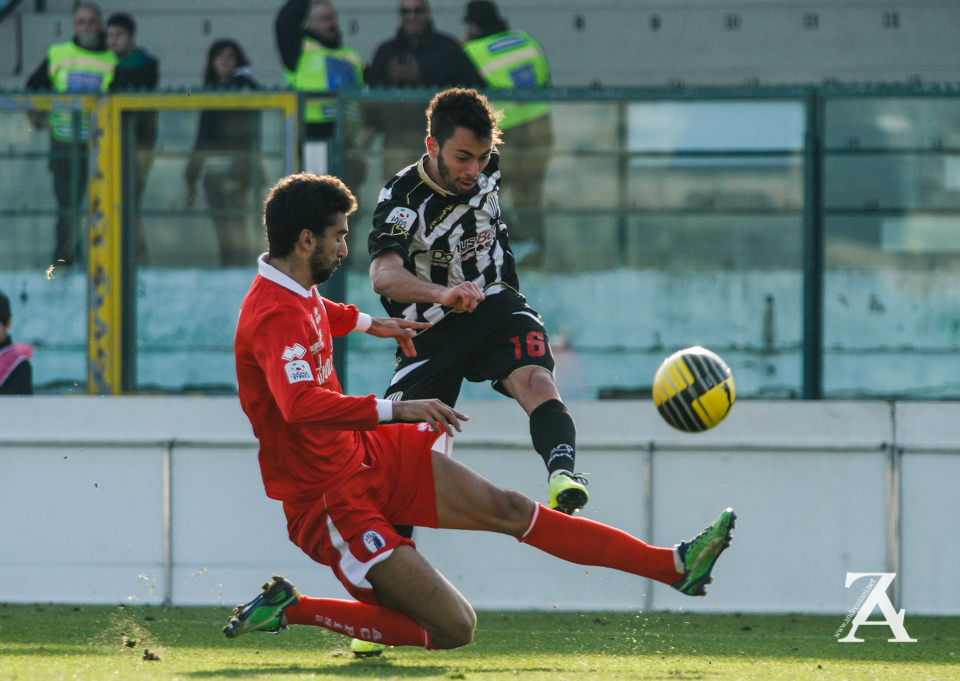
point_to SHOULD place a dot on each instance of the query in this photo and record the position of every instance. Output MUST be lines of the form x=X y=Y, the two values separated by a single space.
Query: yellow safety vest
x=75 y=69
x=321 y=69
x=507 y=60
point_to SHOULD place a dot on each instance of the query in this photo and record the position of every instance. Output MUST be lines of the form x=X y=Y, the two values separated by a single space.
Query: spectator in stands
x=417 y=56
x=136 y=69
x=16 y=376
x=315 y=58
x=84 y=64
x=225 y=152
x=512 y=59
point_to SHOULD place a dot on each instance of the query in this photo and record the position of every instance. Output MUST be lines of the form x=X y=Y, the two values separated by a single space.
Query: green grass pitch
x=100 y=643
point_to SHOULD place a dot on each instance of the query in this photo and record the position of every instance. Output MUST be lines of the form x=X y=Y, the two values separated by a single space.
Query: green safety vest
x=75 y=69
x=320 y=69
x=512 y=59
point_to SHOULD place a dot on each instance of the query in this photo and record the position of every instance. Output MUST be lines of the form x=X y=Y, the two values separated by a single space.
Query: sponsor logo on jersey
x=317 y=347
x=485 y=239
x=325 y=371
x=298 y=371
x=295 y=352
x=399 y=222
x=469 y=247
x=440 y=258
x=373 y=541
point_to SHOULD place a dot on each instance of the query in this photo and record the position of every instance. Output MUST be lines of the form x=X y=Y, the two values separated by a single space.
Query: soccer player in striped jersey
x=440 y=252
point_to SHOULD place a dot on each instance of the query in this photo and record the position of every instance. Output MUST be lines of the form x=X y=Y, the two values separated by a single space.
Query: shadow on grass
x=361 y=670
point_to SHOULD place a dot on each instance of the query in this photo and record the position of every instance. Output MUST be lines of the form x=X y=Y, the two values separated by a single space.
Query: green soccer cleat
x=363 y=648
x=700 y=554
x=568 y=492
x=265 y=612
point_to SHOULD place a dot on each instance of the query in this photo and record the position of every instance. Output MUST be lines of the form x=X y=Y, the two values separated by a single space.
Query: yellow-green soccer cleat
x=363 y=648
x=568 y=492
x=700 y=554
x=265 y=612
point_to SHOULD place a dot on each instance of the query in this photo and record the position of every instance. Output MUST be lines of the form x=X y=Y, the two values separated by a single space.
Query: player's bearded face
x=460 y=161
x=329 y=250
x=322 y=265
x=448 y=179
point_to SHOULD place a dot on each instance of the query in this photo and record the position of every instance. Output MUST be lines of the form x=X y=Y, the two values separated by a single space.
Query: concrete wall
x=146 y=499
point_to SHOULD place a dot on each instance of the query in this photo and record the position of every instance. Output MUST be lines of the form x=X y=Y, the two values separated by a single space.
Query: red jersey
x=289 y=390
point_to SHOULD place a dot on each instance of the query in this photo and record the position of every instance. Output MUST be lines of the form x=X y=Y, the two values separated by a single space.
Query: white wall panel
x=82 y=483
x=929 y=438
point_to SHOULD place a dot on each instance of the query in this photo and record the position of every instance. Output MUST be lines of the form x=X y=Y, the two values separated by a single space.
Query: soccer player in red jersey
x=349 y=468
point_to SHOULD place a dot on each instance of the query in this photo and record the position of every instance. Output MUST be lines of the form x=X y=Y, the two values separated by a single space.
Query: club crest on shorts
x=373 y=541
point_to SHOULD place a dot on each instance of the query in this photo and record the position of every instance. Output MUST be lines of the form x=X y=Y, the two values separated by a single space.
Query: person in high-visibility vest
x=83 y=64
x=315 y=59
x=509 y=59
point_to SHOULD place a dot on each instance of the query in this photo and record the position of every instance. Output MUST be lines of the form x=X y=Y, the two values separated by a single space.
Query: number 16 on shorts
x=531 y=345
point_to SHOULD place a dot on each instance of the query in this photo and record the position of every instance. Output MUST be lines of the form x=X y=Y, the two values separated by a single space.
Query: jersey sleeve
x=393 y=225
x=343 y=318
x=293 y=380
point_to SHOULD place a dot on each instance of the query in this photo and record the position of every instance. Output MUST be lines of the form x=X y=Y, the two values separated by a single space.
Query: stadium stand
x=623 y=42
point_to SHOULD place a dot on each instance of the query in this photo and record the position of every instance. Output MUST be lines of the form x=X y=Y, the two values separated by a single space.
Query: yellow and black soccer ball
x=693 y=389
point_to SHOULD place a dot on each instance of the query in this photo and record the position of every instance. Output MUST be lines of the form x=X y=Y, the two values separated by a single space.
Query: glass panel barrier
x=43 y=226
x=892 y=248
x=659 y=225
x=196 y=200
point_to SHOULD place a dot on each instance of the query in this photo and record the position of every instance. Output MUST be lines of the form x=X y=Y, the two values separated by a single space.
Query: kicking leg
x=553 y=432
x=466 y=500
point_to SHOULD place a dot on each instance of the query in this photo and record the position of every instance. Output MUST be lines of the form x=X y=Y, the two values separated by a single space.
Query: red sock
x=587 y=542
x=359 y=620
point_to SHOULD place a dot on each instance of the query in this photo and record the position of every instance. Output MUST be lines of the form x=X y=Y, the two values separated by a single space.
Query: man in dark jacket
x=136 y=70
x=417 y=56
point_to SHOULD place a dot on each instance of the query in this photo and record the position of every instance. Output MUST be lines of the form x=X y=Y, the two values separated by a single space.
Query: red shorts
x=350 y=528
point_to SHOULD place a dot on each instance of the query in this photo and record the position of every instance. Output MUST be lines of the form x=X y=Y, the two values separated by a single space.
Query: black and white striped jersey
x=443 y=238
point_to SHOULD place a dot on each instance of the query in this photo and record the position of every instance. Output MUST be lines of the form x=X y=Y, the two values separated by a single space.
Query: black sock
x=554 y=435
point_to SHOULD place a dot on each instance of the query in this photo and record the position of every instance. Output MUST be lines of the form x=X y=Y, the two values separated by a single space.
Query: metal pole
x=813 y=249
x=167 y=492
x=648 y=534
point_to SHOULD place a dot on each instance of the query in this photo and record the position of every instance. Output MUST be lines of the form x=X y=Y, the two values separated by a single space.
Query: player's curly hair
x=303 y=201
x=465 y=108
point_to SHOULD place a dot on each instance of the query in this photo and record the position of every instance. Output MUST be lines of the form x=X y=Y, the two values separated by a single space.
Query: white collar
x=268 y=271
x=422 y=169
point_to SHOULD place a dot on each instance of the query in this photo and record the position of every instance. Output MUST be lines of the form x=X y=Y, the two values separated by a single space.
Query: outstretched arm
x=392 y=280
x=440 y=417
x=400 y=329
